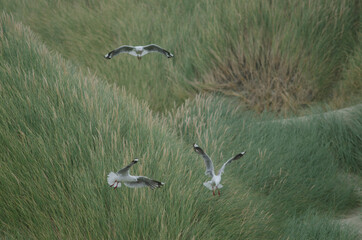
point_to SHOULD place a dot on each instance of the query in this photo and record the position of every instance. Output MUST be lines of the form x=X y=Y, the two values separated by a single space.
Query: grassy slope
x=276 y=56
x=351 y=86
x=297 y=166
x=63 y=130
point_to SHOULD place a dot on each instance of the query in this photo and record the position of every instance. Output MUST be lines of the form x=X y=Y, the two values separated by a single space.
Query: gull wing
x=156 y=48
x=208 y=162
x=144 y=182
x=229 y=161
x=121 y=49
x=125 y=171
x=134 y=184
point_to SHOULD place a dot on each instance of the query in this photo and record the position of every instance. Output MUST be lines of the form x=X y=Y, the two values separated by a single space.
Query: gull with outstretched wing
x=138 y=51
x=123 y=176
x=215 y=179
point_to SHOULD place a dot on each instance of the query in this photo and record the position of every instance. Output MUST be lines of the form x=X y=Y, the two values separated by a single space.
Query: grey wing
x=153 y=184
x=229 y=161
x=207 y=160
x=156 y=48
x=125 y=171
x=135 y=184
x=121 y=49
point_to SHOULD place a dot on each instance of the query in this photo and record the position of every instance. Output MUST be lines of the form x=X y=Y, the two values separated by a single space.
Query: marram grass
x=273 y=55
x=63 y=129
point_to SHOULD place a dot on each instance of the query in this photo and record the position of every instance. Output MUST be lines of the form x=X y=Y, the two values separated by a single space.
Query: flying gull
x=215 y=181
x=138 y=51
x=115 y=179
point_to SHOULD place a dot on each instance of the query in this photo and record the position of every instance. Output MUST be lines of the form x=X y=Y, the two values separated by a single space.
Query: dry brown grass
x=266 y=81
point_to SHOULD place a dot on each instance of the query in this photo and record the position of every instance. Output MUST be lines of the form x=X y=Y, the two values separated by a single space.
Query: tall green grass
x=61 y=133
x=274 y=55
x=351 y=86
x=62 y=129
x=296 y=166
x=314 y=226
x=287 y=158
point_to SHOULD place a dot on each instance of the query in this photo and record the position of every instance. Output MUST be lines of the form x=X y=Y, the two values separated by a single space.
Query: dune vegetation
x=273 y=55
x=68 y=117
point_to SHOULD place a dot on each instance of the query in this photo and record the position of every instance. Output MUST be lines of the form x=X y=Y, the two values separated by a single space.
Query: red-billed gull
x=138 y=51
x=115 y=179
x=215 y=180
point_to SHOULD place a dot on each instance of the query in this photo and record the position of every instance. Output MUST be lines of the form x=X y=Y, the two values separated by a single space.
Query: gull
x=115 y=179
x=138 y=51
x=215 y=180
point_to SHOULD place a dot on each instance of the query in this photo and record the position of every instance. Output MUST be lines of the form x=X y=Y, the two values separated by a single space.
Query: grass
x=282 y=153
x=278 y=56
x=313 y=226
x=70 y=131
x=352 y=75
x=63 y=128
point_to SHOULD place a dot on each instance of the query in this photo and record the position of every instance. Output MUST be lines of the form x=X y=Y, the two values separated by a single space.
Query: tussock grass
x=275 y=55
x=314 y=226
x=62 y=129
x=61 y=133
x=295 y=167
x=283 y=54
x=351 y=86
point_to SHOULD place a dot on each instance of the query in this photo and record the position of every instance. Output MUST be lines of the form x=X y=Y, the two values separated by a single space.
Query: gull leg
x=218 y=191
x=112 y=184
x=115 y=185
x=213 y=191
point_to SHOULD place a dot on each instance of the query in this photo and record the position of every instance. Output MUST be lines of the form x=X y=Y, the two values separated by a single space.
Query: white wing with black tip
x=156 y=48
x=125 y=171
x=121 y=49
x=229 y=161
x=207 y=160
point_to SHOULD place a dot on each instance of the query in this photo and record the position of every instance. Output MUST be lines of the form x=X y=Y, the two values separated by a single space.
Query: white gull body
x=214 y=183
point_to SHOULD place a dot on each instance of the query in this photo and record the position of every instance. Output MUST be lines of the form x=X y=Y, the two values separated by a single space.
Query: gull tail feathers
x=112 y=178
x=208 y=185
